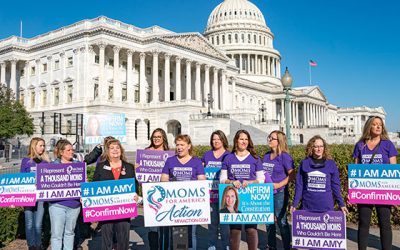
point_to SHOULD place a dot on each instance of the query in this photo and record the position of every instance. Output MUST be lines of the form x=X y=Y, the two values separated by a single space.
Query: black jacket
x=94 y=155
x=103 y=172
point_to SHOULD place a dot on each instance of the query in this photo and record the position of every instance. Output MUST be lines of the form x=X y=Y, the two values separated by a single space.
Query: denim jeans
x=213 y=229
x=33 y=224
x=63 y=221
x=281 y=200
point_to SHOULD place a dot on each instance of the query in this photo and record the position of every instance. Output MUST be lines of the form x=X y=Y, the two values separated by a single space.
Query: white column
x=178 y=79
x=155 y=88
x=117 y=83
x=206 y=81
x=224 y=86
x=283 y=113
x=130 y=89
x=88 y=61
x=188 y=80
x=233 y=92
x=167 y=80
x=248 y=64
x=273 y=67
x=269 y=65
x=215 y=89
x=263 y=65
x=13 y=79
x=142 y=80
x=198 y=83
x=102 y=82
x=3 y=72
x=279 y=68
x=76 y=94
x=240 y=63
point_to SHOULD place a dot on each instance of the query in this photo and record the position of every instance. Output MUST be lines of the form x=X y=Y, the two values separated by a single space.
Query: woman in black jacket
x=113 y=166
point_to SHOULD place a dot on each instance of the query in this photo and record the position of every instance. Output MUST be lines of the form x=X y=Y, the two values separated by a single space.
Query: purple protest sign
x=55 y=181
x=150 y=164
x=319 y=230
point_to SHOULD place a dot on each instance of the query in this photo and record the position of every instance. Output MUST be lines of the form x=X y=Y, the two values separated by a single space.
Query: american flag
x=313 y=64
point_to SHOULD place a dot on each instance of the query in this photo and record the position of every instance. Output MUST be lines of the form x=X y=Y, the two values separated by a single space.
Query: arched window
x=217 y=40
x=255 y=38
x=236 y=38
x=223 y=39
x=249 y=38
x=229 y=38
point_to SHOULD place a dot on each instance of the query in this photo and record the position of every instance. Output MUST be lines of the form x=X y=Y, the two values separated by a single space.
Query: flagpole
x=309 y=72
x=20 y=28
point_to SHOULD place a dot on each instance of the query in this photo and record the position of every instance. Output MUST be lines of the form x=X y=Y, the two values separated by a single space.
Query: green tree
x=14 y=119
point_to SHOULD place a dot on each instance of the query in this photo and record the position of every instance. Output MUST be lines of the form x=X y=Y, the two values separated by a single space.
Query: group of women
x=240 y=167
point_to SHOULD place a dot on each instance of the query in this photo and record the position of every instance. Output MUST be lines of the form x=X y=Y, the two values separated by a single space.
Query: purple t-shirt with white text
x=209 y=159
x=385 y=151
x=278 y=167
x=241 y=170
x=183 y=172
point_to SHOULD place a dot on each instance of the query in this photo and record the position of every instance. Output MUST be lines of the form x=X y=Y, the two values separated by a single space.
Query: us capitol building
x=159 y=78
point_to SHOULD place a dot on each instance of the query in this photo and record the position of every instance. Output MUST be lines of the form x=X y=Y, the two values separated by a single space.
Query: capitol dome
x=238 y=28
x=236 y=13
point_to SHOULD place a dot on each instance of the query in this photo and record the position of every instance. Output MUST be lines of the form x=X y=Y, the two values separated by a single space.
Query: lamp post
x=42 y=124
x=287 y=81
x=210 y=100
x=262 y=109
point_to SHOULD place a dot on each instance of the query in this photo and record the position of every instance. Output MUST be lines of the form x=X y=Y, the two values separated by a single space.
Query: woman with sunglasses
x=279 y=165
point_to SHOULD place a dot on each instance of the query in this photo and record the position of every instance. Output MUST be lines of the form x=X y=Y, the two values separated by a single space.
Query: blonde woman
x=374 y=147
x=279 y=165
x=34 y=215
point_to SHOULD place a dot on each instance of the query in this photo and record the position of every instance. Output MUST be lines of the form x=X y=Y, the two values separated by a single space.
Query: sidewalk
x=138 y=238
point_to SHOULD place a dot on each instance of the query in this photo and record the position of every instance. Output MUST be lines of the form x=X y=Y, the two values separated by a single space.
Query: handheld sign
x=108 y=200
x=56 y=181
x=176 y=203
x=253 y=204
x=17 y=190
x=319 y=230
x=150 y=164
x=374 y=184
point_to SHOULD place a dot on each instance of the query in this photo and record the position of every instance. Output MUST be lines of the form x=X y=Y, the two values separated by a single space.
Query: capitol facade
x=227 y=78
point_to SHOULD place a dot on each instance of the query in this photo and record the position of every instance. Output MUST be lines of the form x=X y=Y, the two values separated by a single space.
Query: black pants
x=121 y=228
x=364 y=213
x=251 y=236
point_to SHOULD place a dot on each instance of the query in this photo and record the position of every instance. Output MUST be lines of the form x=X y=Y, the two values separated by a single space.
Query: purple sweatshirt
x=316 y=184
x=243 y=170
x=183 y=172
x=68 y=203
x=385 y=151
x=279 y=167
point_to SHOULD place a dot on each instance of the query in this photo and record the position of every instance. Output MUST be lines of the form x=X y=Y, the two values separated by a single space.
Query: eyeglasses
x=270 y=138
x=157 y=137
x=318 y=146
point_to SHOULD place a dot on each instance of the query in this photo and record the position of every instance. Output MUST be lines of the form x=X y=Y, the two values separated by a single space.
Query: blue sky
x=355 y=43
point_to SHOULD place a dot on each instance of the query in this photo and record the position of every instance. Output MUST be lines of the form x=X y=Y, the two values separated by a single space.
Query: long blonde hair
x=282 y=142
x=32 y=153
x=366 y=135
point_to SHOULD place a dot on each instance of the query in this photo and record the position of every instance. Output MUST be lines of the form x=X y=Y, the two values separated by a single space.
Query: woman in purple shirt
x=63 y=214
x=317 y=179
x=34 y=215
x=184 y=167
x=241 y=168
x=212 y=160
x=374 y=147
x=279 y=165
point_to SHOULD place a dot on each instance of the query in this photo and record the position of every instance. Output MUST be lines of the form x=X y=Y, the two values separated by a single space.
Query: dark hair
x=164 y=137
x=221 y=136
x=250 y=147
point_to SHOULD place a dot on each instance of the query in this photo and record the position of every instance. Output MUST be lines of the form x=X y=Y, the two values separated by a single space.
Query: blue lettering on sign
x=185 y=193
x=173 y=213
